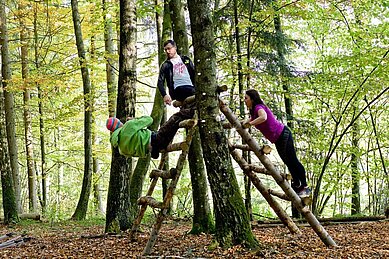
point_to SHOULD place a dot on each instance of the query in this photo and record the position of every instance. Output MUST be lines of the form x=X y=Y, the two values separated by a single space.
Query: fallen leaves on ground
x=362 y=240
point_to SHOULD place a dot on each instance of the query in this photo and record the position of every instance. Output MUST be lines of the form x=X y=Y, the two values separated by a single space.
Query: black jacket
x=166 y=72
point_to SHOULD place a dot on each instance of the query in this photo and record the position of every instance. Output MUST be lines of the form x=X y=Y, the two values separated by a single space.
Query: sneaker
x=304 y=193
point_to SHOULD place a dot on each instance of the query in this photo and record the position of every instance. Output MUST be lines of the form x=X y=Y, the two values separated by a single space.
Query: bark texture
x=202 y=216
x=82 y=206
x=118 y=215
x=10 y=207
x=232 y=221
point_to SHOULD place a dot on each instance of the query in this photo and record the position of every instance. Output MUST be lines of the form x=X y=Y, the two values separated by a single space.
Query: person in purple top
x=264 y=120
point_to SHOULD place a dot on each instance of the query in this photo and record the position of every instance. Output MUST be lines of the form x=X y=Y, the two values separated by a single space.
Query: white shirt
x=180 y=72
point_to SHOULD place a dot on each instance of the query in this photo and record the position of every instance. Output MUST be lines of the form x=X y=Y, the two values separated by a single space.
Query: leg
x=184 y=91
x=169 y=129
x=287 y=152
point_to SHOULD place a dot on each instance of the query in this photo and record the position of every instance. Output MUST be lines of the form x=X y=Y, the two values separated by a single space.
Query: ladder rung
x=190 y=123
x=241 y=147
x=150 y=201
x=176 y=147
x=266 y=149
x=221 y=88
x=263 y=170
x=163 y=174
x=226 y=125
x=279 y=195
x=188 y=100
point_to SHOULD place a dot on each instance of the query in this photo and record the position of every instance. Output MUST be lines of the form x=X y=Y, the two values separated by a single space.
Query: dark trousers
x=168 y=130
x=184 y=91
x=287 y=152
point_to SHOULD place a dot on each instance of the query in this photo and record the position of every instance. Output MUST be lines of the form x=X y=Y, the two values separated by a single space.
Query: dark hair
x=254 y=96
x=169 y=42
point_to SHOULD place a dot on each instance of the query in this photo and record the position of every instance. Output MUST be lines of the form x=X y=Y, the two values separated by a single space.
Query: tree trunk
x=247 y=182
x=178 y=26
x=9 y=110
x=40 y=110
x=284 y=74
x=98 y=207
x=202 y=216
x=8 y=194
x=10 y=207
x=164 y=35
x=232 y=221
x=32 y=190
x=109 y=61
x=82 y=206
x=239 y=59
x=118 y=204
x=355 y=174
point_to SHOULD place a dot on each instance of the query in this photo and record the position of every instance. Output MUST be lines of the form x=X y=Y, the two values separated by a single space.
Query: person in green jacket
x=133 y=137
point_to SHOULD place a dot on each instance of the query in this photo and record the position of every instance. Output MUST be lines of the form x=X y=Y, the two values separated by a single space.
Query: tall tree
x=82 y=206
x=355 y=172
x=284 y=75
x=109 y=60
x=118 y=204
x=232 y=221
x=10 y=207
x=157 y=113
x=95 y=158
x=42 y=133
x=10 y=113
x=32 y=189
x=8 y=194
x=202 y=216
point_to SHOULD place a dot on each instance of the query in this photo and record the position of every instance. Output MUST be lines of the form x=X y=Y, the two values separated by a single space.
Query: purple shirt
x=271 y=128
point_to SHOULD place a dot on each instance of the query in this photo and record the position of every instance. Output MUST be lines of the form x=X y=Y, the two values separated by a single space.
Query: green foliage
x=335 y=62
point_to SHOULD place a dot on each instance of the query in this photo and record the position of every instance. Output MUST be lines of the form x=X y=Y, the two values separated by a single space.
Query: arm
x=262 y=117
x=140 y=122
x=161 y=80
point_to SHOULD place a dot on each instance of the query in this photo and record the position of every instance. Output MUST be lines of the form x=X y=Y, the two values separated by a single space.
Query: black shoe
x=154 y=147
x=154 y=152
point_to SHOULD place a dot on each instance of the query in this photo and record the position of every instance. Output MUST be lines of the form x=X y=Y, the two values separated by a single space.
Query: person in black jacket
x=178 y=72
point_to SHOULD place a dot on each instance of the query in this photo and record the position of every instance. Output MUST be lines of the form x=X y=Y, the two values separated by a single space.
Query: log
x=188 y=100
x=304 y=210
x=176 y=147
x=163 y=174
x=266 y=149
x=328 y=221
x=226 y=125
x=187 y=123
x=34 y=216
x=150 y=201
x=279 y=195
x=221 y=88
x=288 y=222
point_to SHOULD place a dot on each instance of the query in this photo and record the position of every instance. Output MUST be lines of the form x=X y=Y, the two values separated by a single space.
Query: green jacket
x=134 y=137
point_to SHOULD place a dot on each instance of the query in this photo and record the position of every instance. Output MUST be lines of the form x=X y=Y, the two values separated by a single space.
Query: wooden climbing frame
x=174 y=175
x=281 y=179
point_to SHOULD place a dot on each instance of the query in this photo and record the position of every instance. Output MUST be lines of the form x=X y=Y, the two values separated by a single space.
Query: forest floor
x=74 y=240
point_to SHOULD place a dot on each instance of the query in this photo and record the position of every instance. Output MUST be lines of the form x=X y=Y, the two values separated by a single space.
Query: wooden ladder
x=281 y=179
x=174 y=175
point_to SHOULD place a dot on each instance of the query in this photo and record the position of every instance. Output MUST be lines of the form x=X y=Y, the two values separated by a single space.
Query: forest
x=320 y=66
